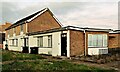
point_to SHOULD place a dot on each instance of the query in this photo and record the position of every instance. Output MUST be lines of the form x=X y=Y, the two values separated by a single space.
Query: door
x=25 y=47
x=64 y=44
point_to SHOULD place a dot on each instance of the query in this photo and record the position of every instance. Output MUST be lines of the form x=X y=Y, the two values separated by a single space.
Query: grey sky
x=83 y=14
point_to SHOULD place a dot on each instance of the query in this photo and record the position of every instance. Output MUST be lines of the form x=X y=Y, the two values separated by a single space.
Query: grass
x=8 y=55
x=19 y=63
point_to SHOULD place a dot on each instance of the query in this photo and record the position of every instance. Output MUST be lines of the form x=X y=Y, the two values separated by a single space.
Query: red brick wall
x=76 y=43
x=114 y=40
x=43 y=22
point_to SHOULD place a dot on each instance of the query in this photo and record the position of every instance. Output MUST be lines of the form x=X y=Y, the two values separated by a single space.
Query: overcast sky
x=102 y=14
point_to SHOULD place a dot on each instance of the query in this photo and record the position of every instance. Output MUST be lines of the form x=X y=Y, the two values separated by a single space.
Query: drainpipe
x=85 y=41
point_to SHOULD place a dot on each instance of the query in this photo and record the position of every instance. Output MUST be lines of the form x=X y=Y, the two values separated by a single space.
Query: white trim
x=95 y=51
x=68 y=43
x=37 y=15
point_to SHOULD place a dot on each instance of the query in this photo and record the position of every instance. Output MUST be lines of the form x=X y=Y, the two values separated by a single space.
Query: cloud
x=91 y=14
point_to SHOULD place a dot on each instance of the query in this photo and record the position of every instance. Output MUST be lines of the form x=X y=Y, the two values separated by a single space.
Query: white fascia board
x=37 y=15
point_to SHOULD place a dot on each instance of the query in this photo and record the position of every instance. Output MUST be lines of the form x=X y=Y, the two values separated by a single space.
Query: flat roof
x=69 y=28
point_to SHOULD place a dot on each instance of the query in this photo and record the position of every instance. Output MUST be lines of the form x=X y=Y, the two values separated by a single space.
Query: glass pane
x=94 y=40
x=90 y=40
x=99 y=43
x=50 y=41
x=105 y=40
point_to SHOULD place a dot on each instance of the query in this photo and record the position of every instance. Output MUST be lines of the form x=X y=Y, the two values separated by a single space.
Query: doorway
x=25 y=46
x=64 y=44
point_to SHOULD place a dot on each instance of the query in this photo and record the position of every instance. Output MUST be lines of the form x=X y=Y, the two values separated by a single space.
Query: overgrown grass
x=51 y=66
x=8 y=55
x=19 y=64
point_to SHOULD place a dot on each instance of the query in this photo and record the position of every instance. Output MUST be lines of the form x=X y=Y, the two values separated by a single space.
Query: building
x=2 y=33
x=16 y=34
x=70 y=41
x=43 y=33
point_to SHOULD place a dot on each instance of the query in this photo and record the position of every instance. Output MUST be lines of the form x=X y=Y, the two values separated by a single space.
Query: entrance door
x=25 y=47
x=64 y=44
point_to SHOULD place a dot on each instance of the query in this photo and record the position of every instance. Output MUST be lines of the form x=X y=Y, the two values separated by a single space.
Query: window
x=97 y=40
x=21 y=27
x=13 y=42
x=16 y=42
x=49 y=41
x=40 y=41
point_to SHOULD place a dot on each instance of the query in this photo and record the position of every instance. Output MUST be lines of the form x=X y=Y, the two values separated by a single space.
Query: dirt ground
x=110 y=65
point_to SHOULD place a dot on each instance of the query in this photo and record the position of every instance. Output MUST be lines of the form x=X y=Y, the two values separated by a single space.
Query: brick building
x=44 y=32
x=2 y=33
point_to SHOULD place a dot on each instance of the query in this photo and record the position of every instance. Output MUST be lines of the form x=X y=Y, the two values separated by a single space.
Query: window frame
x=103 y=40
x=50 y=41
x=40 y=41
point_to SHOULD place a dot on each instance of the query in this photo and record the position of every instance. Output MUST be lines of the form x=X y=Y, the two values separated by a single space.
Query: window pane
x=94 y=40
x=49 y=41
x=99 y=41
x=40 y=41
x=38 y=44
x=105 y=40
x=90 y=40
x=16 y=42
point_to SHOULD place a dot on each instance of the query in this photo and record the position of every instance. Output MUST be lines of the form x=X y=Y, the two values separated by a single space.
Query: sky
x=82 y=13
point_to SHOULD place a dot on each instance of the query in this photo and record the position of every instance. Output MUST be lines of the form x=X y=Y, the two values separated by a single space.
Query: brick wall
x=76 y=43
x=18 y=30
x=43 y=22
x=114 y=40
x=11 y=32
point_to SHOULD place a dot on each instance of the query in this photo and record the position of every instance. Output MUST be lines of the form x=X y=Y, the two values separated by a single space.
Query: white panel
x=45 y=51
x=56 y=44
x=68 y=43
x=95 y=51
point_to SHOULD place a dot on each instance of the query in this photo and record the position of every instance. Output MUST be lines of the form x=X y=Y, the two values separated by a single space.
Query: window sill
x=13 y=46
x=45 y=47
x=97 y=47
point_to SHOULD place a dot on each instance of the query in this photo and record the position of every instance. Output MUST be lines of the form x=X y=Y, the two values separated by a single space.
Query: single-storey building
x=70 y=41
x=43 y=32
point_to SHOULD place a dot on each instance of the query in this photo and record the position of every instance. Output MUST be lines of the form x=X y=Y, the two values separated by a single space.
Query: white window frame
x=91 y=40
x=49 y=41
x=40 y=41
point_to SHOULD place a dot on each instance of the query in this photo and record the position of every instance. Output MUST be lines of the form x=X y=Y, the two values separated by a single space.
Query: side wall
x=114 y=40
x=43 y=22
x=76 y=43
x=55 y=50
